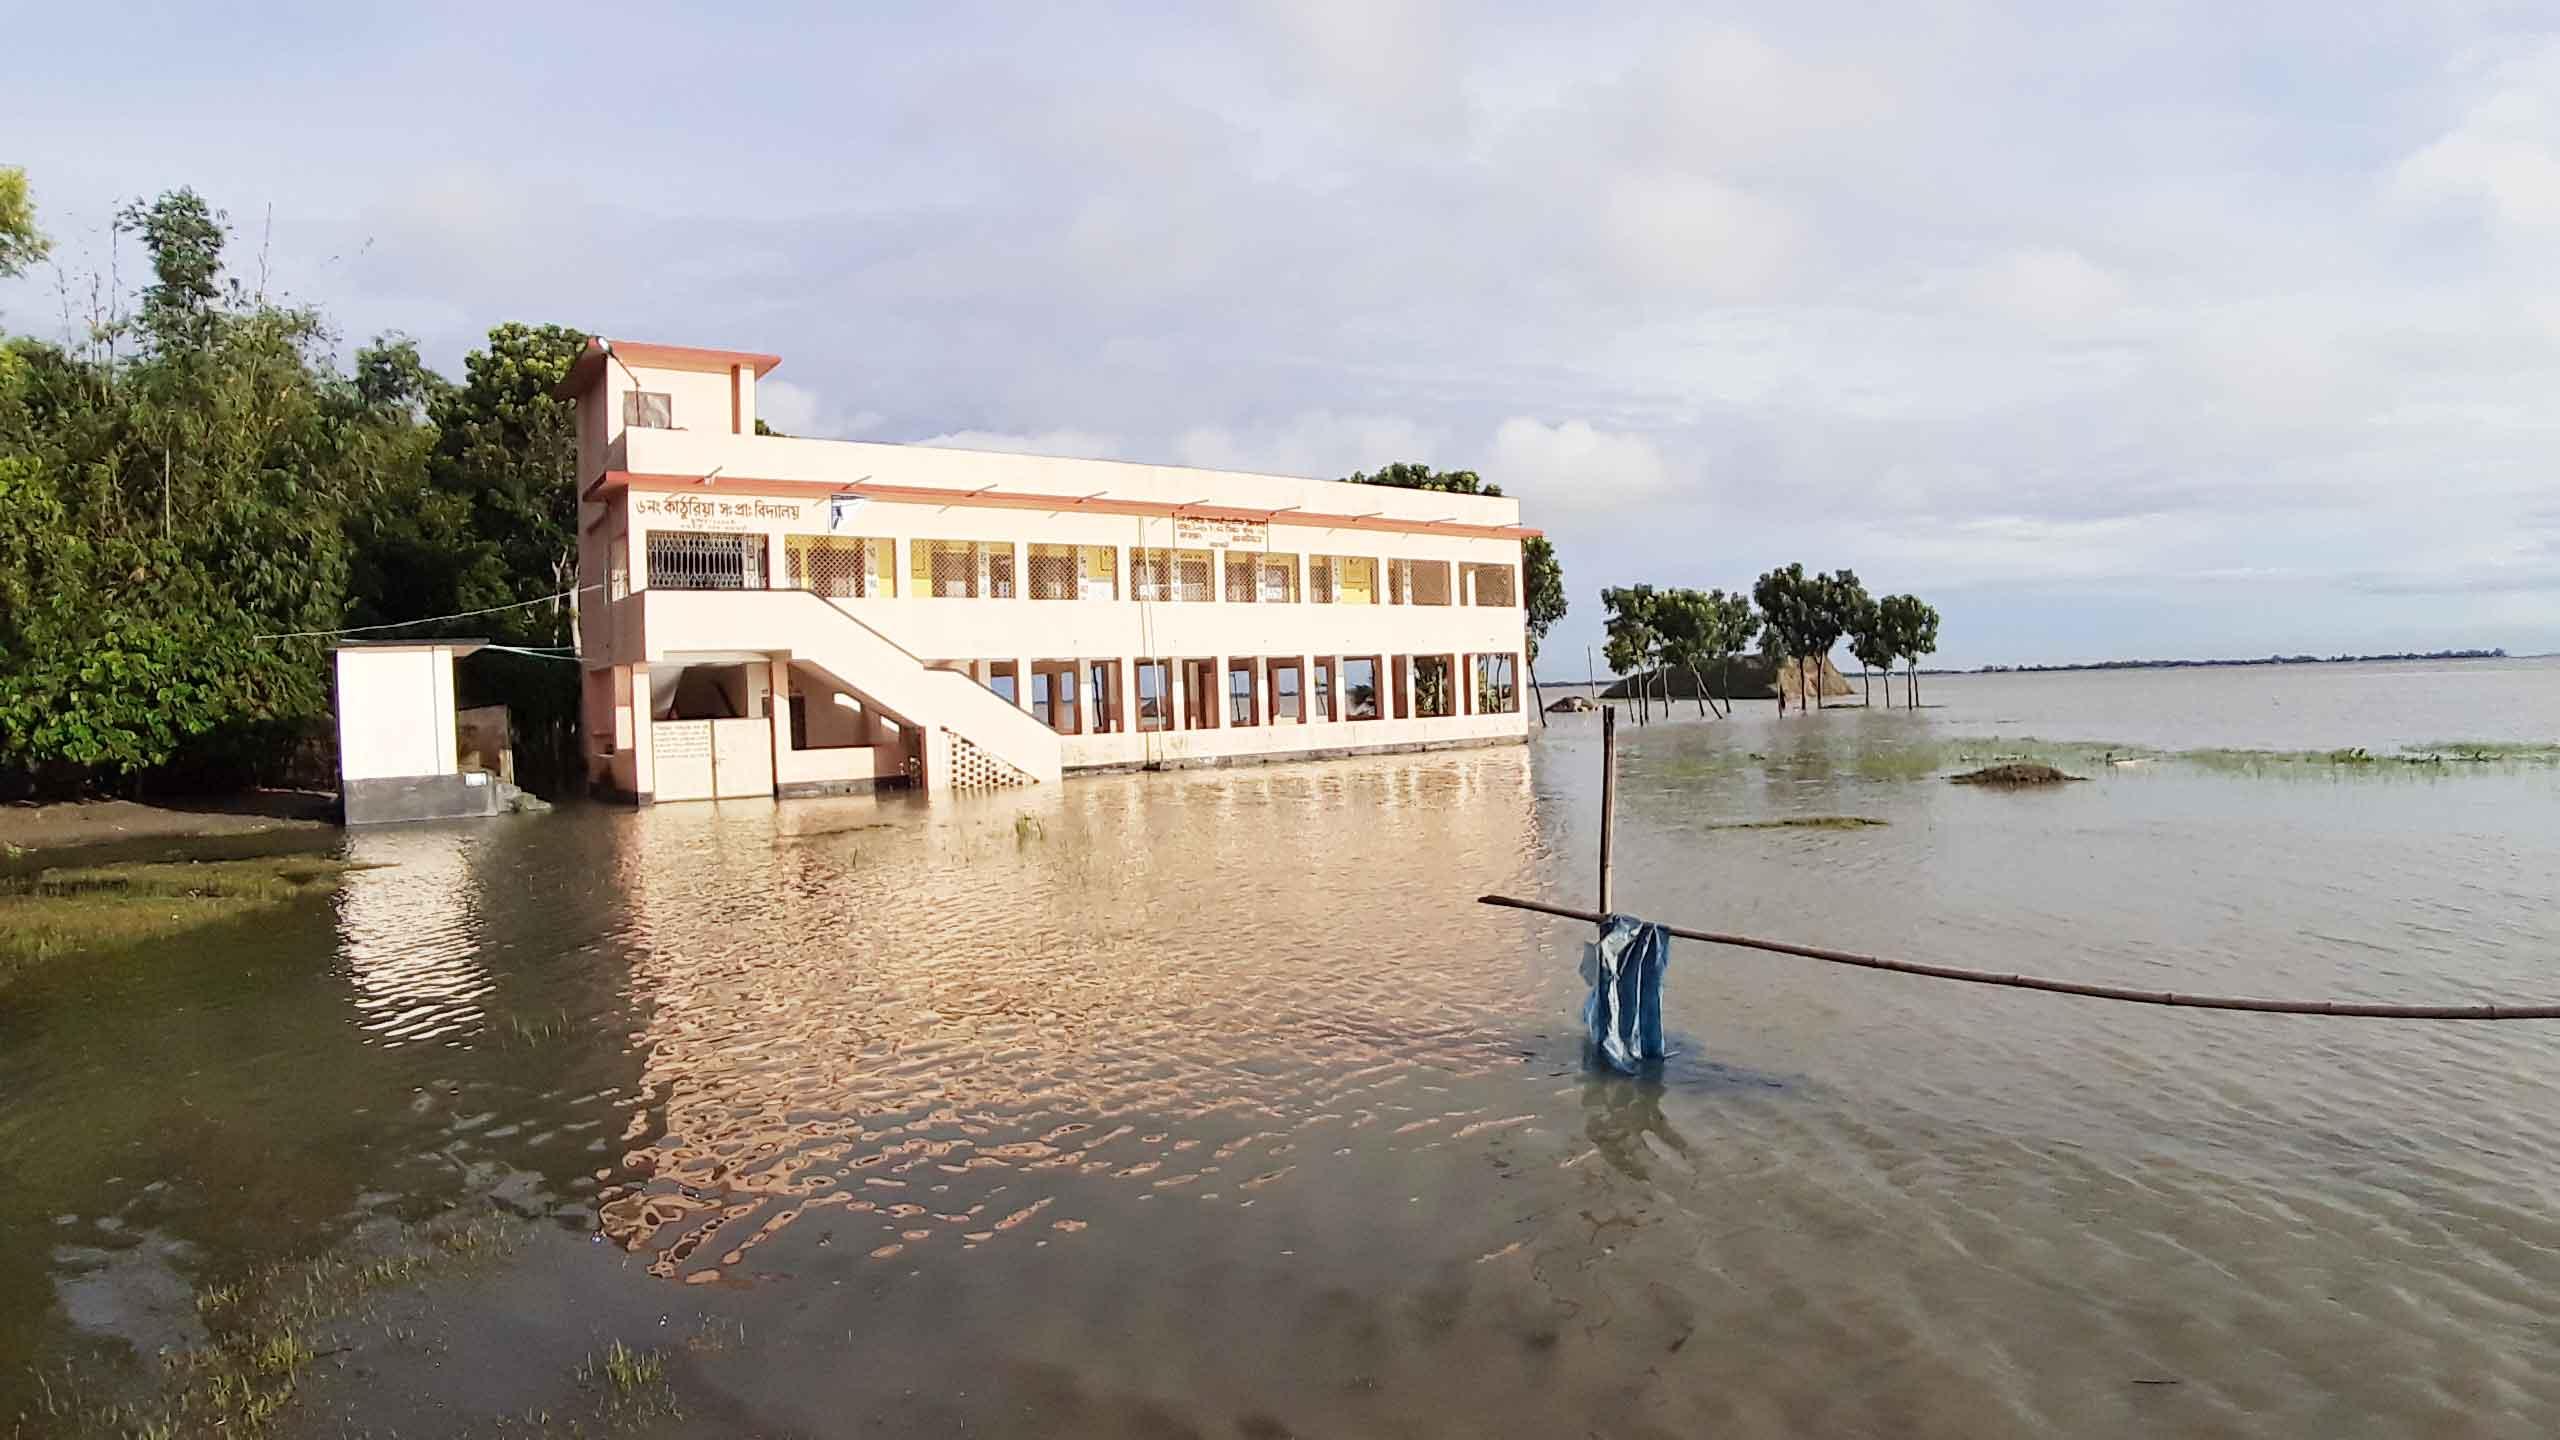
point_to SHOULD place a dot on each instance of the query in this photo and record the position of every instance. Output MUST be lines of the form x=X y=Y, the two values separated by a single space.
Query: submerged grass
x=263 y=1333
x=1800 y=822
x=1924 y=757
x=59 y=911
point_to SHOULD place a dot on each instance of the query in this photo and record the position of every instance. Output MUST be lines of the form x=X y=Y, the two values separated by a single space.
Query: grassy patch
x=1801 y=822
x=263 y=1334
x=91 y=907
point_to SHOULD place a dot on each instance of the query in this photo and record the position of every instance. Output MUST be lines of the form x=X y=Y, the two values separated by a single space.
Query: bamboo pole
x=2056 y=987
x=1608 y=807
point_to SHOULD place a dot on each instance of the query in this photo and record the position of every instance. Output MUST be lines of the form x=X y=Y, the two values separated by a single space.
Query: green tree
x=173 y=520
x=1872 y=643
x=21 y=243
x=1632 y=639
x=1911 y=627
x=1786 y=599
x=1840 y=601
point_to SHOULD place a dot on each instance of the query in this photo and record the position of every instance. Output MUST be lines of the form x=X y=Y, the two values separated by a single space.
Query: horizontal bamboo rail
x=2063 y=987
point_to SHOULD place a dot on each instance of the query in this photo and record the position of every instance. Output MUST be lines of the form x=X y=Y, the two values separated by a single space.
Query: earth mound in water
x=2015 y=773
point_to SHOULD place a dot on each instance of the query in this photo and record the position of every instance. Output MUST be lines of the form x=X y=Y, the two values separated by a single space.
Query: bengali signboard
x=1192 y=533
x=717 y=512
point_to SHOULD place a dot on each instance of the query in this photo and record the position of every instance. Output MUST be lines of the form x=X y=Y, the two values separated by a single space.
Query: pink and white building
x=763 y=615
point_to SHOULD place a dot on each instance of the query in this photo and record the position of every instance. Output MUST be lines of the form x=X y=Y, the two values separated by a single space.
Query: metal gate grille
x=682 y=560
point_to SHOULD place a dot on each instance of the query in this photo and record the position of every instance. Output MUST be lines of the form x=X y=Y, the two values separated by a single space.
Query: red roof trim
x=1024 y=500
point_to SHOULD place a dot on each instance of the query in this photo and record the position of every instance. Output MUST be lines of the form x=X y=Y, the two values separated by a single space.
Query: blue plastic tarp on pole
x=1624 y=1014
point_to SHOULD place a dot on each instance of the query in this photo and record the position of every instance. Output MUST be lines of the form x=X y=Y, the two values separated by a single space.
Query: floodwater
x=1209 y=1103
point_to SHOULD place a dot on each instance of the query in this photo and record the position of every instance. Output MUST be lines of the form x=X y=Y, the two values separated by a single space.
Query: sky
x=2202 y=329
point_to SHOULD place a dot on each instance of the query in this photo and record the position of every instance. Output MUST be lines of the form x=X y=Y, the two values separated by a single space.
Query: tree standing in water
x=1911 y=628
x=1634 y=643
x=1869 y=641
x=1785 y=597
x=1831 y=611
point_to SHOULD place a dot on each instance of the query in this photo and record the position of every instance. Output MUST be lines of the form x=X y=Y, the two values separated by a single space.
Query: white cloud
x=1574 y=466
x=2056 y=289
x=1083 y=444
x=1318 y=443
x=2504 y=154
x=799 y=410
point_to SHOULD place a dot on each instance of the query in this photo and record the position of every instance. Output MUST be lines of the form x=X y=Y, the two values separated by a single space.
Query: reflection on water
x=409 y=935
x=1179 y=994
x=1210 y=1103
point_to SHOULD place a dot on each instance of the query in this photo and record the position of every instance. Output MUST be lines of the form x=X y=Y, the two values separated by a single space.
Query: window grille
x=1075 y=572
x=840 y=566
x=683 y=560
x=1157 y=574
x=1279 y=579
x=648 y=410
x=1242 y=573
x=1492 y=585
x=1418 y=582
x=1319 y=579
x=945 y=569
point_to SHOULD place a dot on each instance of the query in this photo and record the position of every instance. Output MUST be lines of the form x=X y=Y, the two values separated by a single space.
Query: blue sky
x=2203 y=330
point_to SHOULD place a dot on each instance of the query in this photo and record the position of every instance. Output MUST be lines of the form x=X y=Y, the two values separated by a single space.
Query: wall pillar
x=1218 y=693
x=778 y=699
x=1022 y=687
x=1412 y=711
x=644 y=768
x=1177 y=694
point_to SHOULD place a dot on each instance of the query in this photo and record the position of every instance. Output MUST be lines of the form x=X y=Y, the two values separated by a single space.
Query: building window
x=1360 y=695
x=1435 y=689
x=1322 y=696
x=1159 y=574
x=1417 y=582
x=1497 y=680
x=1279 y=579
x=1242 y=585
x=1241 y=700
x=1284 y=693
x=961 y=569
x=648 y=410
x=1075 y=572
x=1155 y=698
x=1001 y=679
x=844 y=567
x=1492 y=585
x=1053 y=696
x=686 y=560
x=1102 y=692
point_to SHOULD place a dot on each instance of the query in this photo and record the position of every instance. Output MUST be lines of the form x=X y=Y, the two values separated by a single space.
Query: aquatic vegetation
x=264 y=1331
x=1801 y=822
x=56 y=911
x=2014 y=775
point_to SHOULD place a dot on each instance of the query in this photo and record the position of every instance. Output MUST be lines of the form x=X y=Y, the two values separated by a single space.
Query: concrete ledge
x=806 y=789
x=1290 y=757
x=419 y=797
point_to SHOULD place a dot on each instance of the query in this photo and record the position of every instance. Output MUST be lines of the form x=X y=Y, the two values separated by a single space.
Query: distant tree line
x=1796 y=618
x=193 y=495
x=2493 y=654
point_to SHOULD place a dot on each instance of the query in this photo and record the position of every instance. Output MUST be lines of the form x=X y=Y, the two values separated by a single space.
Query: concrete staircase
x=954 y=710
